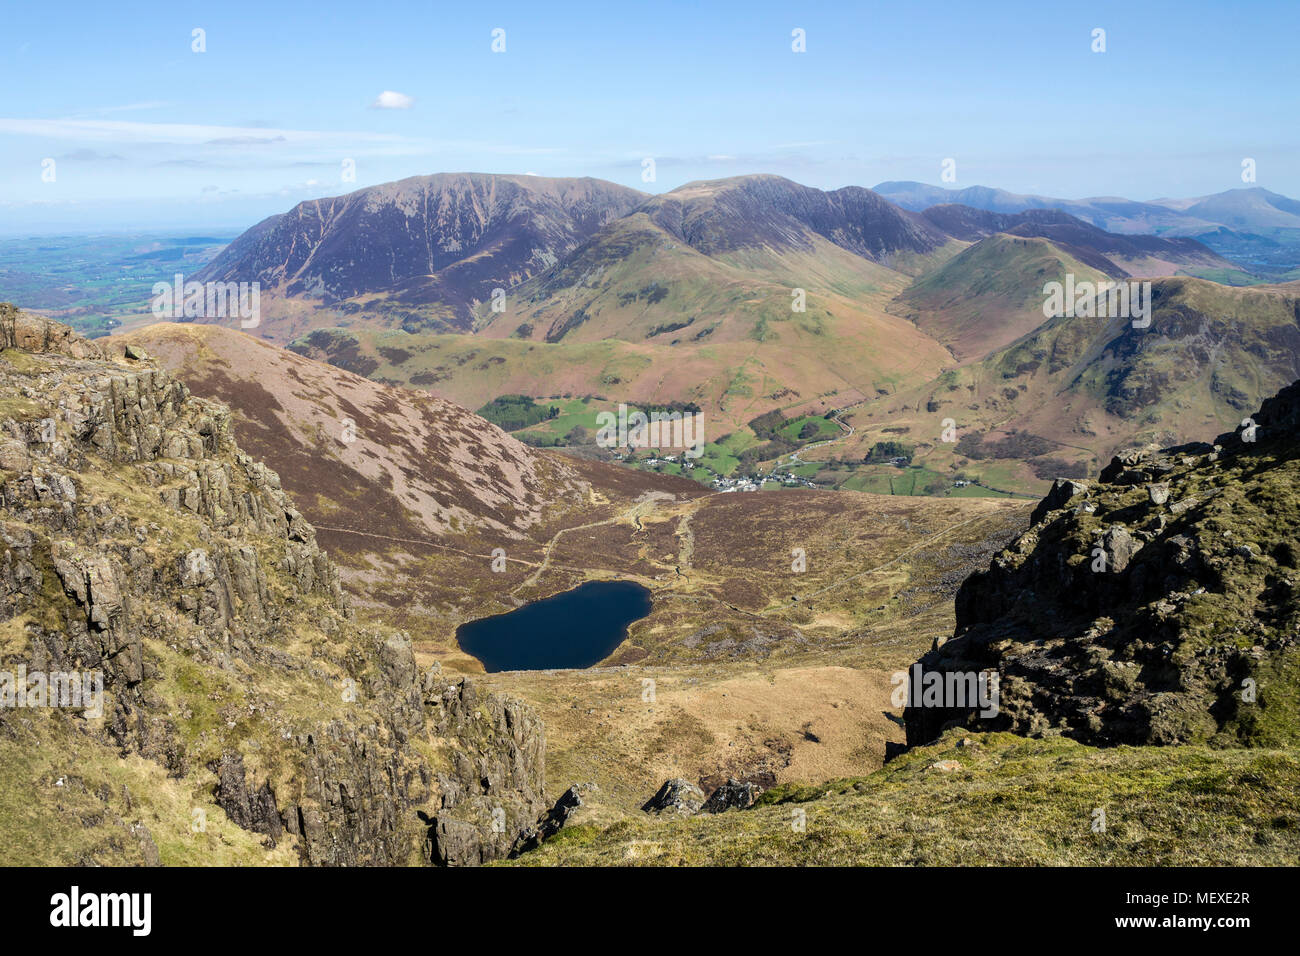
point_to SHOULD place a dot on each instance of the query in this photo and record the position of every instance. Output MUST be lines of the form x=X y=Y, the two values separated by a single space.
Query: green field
x=825 y=428
x=574 y=413
x=912 y=480
x=93 y=283
x=724 y=456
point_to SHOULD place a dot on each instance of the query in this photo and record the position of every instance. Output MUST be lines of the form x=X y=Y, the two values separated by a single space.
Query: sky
x=112 y=120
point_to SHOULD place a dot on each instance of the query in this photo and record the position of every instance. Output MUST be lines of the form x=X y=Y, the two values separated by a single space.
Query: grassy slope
x=1011 y=802
x=74 y=800
x=1211 y=355
x=990 y=294
x=732 y=381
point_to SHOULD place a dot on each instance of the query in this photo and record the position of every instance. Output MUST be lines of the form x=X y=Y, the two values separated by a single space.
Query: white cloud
x=388 y=100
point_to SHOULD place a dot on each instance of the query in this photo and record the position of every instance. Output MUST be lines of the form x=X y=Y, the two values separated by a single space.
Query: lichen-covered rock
x=1063 y=491
x=35 y=333
x=1159 y=606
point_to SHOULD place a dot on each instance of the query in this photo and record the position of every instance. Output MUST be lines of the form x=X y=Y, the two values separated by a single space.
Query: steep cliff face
x=141 y=545
x=1158 y=606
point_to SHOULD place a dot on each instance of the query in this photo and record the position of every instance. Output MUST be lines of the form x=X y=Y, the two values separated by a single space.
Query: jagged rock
x=1158 y=649
x=1063 y=491
x=456 y=843
x=35 y=333
x=1119 y=547
x=676 y=795
x=549 y=825
x=732 y=795
x=251 y=809
x=148 y=848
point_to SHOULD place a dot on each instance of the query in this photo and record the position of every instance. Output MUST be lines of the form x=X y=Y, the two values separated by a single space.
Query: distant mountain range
x=427 y=253
x=1258 y=229
x=755 y=294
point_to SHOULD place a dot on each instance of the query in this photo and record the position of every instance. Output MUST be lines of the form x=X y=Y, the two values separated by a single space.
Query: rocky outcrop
x=552 y=823
x=140 y=544
x=1063 y=491
x=492 y=793
x=677 y=796
x=251 y=809
x=1158 y=606
x=35 y=333
x=732 y=795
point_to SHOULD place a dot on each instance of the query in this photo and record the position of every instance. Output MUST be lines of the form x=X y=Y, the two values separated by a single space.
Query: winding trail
x=643 y=506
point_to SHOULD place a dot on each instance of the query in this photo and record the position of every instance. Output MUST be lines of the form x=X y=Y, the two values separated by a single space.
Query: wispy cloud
x=90 y=156
x=125 y=131
x=135 y=107
x=245 y=141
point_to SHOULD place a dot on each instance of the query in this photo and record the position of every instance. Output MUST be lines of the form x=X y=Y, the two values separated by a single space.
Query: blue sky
x=146 y=133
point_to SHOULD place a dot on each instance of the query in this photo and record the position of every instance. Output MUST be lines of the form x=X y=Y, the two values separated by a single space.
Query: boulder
x=732 y=795
x=677 y=796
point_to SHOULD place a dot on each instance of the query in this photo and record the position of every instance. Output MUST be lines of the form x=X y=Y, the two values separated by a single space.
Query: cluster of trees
x=513 y=412
x=766 y=427
x=887 y=450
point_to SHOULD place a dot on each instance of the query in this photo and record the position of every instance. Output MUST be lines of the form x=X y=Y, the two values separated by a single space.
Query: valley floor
x=745 y=667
